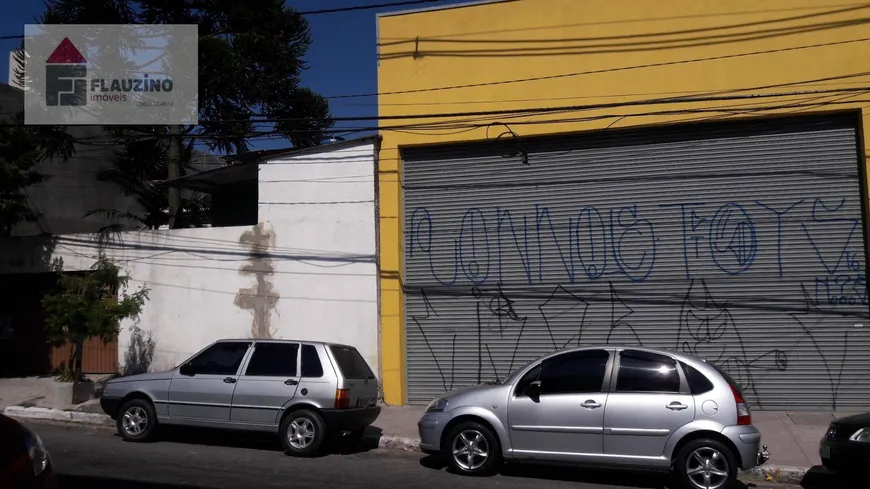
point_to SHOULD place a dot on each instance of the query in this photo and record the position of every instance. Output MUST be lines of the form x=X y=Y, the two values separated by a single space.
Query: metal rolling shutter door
x=740 y=242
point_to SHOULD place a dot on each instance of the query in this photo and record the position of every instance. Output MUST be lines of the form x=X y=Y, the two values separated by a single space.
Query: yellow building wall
x=593 y=52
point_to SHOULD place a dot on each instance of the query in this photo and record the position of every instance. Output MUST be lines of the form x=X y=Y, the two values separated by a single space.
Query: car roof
x=682 y=356
x=283 y=340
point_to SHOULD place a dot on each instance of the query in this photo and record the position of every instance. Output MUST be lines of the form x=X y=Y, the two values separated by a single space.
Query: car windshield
x=512 y=377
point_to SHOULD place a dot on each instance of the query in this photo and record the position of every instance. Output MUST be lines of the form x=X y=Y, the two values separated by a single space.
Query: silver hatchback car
x=302 y=390
x=605 y=407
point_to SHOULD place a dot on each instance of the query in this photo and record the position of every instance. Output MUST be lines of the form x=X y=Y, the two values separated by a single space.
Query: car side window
x=273 y=360
x=647 y=372
x=698 y=382
x=531 y=376
x=221 y=358
x=311 y=366
x=574 y=373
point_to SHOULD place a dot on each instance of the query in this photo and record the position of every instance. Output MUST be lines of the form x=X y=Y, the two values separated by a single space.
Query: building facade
x=687 y=175
x=306 y=269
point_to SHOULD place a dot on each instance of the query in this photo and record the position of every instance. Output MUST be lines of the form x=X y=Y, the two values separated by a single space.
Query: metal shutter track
x=762 y=309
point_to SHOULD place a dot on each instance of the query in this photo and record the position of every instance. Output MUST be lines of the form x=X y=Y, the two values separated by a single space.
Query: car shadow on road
x=819 y=477
x=621 y=478
x=91 y=482
x=334 y=445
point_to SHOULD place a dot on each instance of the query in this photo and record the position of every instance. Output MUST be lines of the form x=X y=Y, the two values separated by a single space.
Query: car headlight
x=861 y=435
x=36 y=451
x=437 y=405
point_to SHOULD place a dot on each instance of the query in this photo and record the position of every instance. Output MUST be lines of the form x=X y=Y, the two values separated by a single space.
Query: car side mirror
x=187 y=370
x=534 y=389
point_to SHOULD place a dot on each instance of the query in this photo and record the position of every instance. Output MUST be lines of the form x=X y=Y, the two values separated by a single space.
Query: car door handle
x=291 y=382
x=676 y=406
x=229 y=380
x=591 y=404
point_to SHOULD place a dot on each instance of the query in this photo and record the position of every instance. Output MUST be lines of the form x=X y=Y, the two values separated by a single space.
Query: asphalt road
x=96 y=458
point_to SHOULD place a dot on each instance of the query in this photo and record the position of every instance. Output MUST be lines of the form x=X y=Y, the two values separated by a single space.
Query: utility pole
x=174 y=171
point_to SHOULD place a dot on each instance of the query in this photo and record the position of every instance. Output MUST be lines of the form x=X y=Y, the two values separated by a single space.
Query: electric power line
x=522 y=112
x=599 y=71
x=319 y=12
x=604 y=70
x=367 y=7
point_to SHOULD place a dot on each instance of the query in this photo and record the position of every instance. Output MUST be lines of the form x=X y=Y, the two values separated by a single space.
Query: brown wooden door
x=97 y=357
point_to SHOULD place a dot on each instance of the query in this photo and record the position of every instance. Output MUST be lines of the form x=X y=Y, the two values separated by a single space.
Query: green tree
x=88 y=306
x=250 y=65
x=22 y=148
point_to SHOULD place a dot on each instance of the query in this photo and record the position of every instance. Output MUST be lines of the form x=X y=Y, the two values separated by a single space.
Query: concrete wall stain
x=260 y=298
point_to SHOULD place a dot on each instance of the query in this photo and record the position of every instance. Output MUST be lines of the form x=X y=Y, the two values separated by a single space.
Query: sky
x=342 y=58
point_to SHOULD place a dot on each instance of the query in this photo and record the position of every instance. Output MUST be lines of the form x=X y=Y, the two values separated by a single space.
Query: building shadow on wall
x=28 y=274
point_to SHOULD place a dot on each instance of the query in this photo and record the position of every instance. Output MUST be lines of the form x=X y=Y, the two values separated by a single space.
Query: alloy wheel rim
x=135 y=421
x=301 y=433
x=707 y=468
x=470 y=450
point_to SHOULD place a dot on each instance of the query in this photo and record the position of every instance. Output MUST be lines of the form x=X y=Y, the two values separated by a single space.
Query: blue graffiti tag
x=639 y=228
x=816 y=204
x=414 y=241
x=779 y=215
x=493 y=243
x=733 y=243
x=504 y=217
x=595 y=263
x=469 y=238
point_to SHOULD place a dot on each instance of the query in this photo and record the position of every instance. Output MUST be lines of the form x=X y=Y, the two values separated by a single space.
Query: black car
x=24 y=462
x=846 y=445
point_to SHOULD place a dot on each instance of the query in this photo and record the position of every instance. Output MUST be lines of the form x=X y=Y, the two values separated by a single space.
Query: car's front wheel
x=706 y=464
x=136 y=420
x=473 y=449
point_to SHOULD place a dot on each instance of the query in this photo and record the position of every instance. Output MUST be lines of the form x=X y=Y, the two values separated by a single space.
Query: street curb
x=399 y=443
x=777 y=473
x=57 y=415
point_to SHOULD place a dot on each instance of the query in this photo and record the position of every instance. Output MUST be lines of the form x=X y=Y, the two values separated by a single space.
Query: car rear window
x=351 y=363
x=727 y=377
x=698 y=382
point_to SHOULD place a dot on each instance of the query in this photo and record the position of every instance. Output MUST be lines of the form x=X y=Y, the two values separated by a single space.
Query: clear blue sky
x=342 y=58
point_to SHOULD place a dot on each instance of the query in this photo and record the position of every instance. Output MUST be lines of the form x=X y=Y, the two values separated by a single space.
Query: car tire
x=136 y=420
x=302 y=433
x=475 y=436
x=703 y=453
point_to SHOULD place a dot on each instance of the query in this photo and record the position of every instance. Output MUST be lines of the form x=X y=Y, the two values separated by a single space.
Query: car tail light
x=342 y=399
x=744 y=416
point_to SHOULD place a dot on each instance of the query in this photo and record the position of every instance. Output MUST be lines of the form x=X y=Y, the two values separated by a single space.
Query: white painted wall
x=322 y=206
x=320 y=210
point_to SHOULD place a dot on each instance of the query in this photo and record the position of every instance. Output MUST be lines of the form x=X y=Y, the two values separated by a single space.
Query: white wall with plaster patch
x=307 y=271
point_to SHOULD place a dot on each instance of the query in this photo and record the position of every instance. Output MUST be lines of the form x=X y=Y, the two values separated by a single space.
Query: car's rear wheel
x=705 y=464
x=302 y=433
x=136 y=420
x=473 y=449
